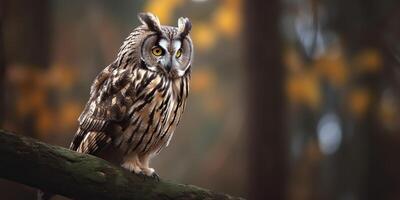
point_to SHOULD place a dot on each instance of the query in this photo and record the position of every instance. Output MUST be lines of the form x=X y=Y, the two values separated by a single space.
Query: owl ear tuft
x=184 y=26
x=151 y=21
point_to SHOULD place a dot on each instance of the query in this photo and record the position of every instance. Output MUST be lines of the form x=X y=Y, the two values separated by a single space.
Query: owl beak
x=168 y=67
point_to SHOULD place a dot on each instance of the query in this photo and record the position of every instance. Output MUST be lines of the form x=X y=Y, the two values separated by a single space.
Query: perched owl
x=137 y=101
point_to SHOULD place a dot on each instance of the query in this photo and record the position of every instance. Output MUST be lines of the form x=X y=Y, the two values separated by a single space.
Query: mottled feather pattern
x=97 y=114
x=138 y=100
x=147 y=108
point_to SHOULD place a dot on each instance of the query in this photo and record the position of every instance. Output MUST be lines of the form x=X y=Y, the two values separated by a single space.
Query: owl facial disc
x=166 y=49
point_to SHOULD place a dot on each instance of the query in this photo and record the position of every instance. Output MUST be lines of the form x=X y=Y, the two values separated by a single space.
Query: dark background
x=290 y=99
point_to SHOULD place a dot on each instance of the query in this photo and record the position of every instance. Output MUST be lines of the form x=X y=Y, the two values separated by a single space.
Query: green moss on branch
x=79 y=176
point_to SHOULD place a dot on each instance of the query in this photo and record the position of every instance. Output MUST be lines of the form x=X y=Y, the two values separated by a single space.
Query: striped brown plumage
x=133 y=109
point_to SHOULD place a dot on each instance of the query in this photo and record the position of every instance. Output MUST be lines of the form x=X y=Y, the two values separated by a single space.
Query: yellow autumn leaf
x=303 y=88
x=358 y=101
x=369 y=60
x=227 y=17
x=203 y=36
x=333 y=67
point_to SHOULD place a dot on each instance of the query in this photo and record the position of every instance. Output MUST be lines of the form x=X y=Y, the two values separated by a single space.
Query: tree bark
x=81 y=176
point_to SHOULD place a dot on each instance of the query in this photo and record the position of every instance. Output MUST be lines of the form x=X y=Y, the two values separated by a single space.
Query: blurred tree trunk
x=371 y=27
x=2 y=65
x=28 y=27
x=27 y=40
x=265 y=105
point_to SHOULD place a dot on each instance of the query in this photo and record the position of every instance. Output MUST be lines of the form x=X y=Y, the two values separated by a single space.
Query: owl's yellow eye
x=157 y=51
x=178 y=53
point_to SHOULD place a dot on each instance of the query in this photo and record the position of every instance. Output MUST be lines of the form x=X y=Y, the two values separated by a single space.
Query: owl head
x=166 y=49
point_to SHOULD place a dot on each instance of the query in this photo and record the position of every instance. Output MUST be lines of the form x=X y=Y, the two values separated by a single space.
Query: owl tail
x=43 y=195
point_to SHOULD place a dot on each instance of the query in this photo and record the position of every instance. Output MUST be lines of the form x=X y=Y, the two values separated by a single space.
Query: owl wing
x=103 y=110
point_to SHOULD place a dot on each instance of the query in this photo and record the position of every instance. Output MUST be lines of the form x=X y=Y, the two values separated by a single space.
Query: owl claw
x=142 y=175
x=155 y=177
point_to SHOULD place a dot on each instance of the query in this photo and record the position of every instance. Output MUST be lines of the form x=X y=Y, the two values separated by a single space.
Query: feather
x=184 y=26
x=100 y=114
x=151 y=21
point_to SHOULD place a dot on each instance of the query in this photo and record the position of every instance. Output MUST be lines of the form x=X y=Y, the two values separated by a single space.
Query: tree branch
x=79 y=176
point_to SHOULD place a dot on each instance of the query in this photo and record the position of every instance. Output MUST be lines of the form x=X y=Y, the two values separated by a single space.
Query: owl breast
x=158 y=104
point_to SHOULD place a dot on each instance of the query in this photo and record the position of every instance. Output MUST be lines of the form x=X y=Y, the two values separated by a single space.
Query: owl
x=136 y=102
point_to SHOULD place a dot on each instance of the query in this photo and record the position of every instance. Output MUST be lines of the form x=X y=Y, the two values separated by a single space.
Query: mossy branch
x=82 y=176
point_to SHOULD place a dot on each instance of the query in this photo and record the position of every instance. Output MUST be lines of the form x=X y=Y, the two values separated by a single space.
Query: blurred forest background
x=290 y=99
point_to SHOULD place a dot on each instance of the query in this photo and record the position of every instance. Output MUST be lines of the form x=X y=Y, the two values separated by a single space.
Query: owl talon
x=142 y=175
x=155 y=177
